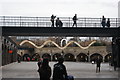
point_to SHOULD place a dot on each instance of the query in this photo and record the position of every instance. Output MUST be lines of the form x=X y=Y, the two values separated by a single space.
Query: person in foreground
x=59 y=70
x=45 y=70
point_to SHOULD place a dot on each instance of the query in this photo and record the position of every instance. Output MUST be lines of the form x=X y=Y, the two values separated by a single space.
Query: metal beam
x=64 y=31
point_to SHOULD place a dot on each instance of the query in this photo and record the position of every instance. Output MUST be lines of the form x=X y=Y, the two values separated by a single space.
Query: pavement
x=80 y=71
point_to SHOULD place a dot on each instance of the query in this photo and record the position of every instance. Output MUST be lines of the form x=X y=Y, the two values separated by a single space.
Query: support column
x=113 y=50
x=116 y=51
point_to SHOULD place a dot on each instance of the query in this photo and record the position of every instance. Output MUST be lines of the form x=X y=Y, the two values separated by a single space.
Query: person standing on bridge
x=59 y=23
x=75 y=20
x=108 y=23
x=52 y=20
x=103 y=22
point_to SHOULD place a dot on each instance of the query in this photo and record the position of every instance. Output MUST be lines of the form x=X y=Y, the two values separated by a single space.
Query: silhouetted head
x=45 y=62
x=52 y=14
x=40 y=59
x=103 y=17
x=58 y=18
x=98 y=57
x=60 y=60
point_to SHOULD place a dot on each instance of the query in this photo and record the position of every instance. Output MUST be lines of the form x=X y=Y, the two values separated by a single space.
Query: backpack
x=61 y=24
x=74 y=18
x=69 y=77
x=58 y=68
x=58 y=72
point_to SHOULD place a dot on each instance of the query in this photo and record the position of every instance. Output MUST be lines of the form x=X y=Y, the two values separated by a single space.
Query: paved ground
x=77 y=69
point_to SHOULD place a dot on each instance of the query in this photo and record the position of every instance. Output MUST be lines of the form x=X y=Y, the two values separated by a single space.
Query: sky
x=119 y=10
x=60 y=8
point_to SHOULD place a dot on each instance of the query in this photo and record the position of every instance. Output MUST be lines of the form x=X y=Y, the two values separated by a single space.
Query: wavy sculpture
x=49 y=41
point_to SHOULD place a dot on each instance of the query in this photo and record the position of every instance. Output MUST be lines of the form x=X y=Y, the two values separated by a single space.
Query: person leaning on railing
x=103 y=22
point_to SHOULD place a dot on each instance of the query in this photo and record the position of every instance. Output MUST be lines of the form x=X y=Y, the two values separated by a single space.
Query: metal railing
x=20 y=21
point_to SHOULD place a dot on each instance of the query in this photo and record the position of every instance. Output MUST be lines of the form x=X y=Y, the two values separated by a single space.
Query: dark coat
x=59 y=72
x=45 y=73
x=108 y=24
x=98 y=62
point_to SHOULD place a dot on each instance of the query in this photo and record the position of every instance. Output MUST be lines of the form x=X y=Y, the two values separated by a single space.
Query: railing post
x=3 y=20
x=69 y=21
x=85 y=22
x=95 y=24
x=37 y=21
x=20 y=21
x=100 y=22
x=116 y=22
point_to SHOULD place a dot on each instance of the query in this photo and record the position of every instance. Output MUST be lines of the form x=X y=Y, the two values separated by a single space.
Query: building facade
x=9 y=51
x=70 y=50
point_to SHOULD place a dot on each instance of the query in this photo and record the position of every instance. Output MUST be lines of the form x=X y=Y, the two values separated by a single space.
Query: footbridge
x=41 y=26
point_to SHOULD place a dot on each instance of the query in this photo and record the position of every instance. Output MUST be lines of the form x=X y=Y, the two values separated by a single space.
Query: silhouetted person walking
x=45 y=70
x=103 y=21
x=108 y=23
x=52 y=20
x=59 y=23
x=59 y=71
x=115 y=64
x=98 y=64
x=19 y=59
x=75 y=20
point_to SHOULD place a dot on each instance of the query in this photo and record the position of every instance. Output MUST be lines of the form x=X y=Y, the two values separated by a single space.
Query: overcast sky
x=43 y=8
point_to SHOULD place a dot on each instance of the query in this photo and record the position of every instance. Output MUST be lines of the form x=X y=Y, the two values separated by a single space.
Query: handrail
x=22 y=21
